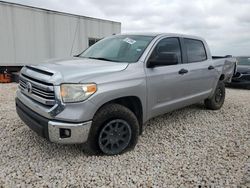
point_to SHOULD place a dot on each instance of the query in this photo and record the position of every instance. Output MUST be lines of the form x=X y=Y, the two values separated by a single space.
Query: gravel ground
x=186 y=148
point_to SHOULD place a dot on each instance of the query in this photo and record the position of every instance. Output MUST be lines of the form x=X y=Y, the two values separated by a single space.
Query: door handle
x=210 y=67
x=183 y=71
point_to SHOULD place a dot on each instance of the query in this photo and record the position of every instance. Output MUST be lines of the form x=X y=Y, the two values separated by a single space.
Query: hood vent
x=40 y=71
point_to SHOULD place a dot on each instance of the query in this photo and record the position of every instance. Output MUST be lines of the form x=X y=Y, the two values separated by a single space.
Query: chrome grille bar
x=37 y=90
x=36 y=84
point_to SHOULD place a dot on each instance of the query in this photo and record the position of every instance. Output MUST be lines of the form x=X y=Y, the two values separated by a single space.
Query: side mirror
x=163 y=59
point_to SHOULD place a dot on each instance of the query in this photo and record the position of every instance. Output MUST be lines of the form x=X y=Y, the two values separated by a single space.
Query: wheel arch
x=133 y=103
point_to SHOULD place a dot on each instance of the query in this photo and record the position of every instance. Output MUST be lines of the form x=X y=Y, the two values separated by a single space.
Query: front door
x=165 y=83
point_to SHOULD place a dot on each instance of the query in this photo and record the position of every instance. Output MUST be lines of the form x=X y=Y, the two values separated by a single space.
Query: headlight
x=77 y=92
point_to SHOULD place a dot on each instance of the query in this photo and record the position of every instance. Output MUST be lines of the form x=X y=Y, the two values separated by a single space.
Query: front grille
x=39 y=91
x=241 y=77
x=245 y=77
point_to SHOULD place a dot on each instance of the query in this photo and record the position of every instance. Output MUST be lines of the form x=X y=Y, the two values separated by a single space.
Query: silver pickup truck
x=102 y=97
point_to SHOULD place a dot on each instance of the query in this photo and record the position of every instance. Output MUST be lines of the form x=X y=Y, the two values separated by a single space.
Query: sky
x=225 y=24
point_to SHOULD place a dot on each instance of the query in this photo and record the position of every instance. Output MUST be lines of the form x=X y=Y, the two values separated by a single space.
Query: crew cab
x=102 y=97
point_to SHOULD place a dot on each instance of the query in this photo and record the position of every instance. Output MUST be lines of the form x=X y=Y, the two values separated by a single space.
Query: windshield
x=121 y=48
x=243 y=60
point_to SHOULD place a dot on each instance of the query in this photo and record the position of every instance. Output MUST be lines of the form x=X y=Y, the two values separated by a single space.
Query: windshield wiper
x=101 y=58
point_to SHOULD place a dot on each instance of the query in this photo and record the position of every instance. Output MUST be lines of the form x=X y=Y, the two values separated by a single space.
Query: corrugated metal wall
x=30 y=35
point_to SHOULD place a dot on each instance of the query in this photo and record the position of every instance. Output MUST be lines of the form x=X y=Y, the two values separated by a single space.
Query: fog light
x=65 y=133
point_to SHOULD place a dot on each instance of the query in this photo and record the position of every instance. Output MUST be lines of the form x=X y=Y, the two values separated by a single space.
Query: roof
x=154 y=34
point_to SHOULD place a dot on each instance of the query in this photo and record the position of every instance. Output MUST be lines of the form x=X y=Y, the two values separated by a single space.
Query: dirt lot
x=189 y=147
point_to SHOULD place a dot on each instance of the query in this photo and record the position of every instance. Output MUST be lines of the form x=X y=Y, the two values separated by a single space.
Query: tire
x=110 y=124
x=218 y=98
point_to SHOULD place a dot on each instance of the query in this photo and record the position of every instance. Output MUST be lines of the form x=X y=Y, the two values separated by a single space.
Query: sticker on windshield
x=129 y=40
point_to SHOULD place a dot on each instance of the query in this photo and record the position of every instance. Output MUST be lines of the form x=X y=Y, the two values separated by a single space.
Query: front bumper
x=240 y=84
x=52 y=130
x=236 y=82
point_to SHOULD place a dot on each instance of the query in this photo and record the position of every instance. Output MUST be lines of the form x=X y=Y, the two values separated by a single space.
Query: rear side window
x=195 y=50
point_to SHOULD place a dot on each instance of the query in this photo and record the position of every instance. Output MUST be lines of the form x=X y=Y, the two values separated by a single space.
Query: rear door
x=201 y=71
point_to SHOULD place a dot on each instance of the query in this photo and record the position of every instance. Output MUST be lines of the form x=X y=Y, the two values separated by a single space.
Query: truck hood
x=75 y=70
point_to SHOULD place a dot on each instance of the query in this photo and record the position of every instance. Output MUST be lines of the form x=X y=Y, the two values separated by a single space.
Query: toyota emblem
x=28 y=87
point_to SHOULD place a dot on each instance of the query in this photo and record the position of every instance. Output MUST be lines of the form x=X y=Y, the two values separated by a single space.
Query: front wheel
x=114 y=137
x=115 y=130
x=218 y=98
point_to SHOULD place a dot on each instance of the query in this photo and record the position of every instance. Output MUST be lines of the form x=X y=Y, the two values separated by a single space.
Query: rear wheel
x=218 y=98
x=115 y=129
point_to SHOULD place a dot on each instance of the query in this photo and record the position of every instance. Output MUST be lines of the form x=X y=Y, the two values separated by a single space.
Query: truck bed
x=228 y=65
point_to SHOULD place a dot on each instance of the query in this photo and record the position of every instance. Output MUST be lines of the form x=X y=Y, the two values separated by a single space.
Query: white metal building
x=29 y=35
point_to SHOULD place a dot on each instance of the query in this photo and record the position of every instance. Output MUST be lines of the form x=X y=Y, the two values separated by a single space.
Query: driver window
x=167 y=45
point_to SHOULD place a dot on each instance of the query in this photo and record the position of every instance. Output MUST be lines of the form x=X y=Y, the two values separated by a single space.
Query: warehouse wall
x=30 y=35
